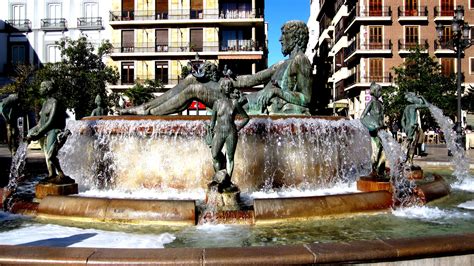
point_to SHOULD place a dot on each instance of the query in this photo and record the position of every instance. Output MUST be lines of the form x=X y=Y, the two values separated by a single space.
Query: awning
x=343 y=103
x=240 y=56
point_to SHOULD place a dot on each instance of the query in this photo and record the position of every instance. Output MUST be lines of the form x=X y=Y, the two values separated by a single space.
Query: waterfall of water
x=17 y=166
x=304 y=153
x=459 y=160
x=404 y=189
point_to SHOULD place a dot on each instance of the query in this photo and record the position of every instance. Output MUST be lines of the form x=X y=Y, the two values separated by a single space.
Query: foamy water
x=432 y=214
x=467 y=205
x=340 y=188
x=144 y=193
x=63 y=236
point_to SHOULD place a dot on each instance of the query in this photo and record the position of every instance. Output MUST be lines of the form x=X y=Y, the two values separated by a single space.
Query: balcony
x=357 y=80
x=184 y=14
x=153 y=48
x=131 y=80
x=368 y=48
x=240 y=46
x=411 y=15
x=405 y=47
x=54 y=24
x=18 y=25
x=443 y=47
x=445 y=14
x=368 y=16
x=92 y=23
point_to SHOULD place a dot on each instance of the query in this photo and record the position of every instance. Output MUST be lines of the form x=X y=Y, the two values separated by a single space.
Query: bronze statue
x=50 y=131
x=288 y=84
x=11 y=111
x=410 y=124
x=223 y=128
x=99 y=110
x=372 y=119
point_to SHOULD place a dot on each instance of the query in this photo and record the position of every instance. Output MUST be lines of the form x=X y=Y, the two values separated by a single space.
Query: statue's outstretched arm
x=261 y=77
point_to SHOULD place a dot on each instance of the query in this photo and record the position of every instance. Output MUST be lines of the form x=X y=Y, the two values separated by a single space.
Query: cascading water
x=164 y=155
x=459 y=160
x=404 y=189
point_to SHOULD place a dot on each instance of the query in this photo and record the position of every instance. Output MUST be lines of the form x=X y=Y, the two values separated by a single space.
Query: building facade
x=30 y=28
x=368 y=38
x=155 y=39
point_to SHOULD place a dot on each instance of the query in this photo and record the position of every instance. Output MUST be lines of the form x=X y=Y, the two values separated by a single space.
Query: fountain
x=149 y=176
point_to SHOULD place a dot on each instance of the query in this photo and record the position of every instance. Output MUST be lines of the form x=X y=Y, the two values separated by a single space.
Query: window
x=447 y=7
x=128 y=73
x=471 y=4
x=196 y=9
x=235 y=40
x=91 y=10
x=471 y=65
x=375 y=7
x=447 y=34
x=196 y=40
x=128 y=9
x=161 y=9
x=18 y=13
x=376 y=70
x=161 y=71
x=53 y=53
x=240 y=9
x=54 y=11
x=18 y=54
x=411 y=37
x=447 y=66
x=127 y=41
x=411 y=7
x=161 y=40
x=375 y=37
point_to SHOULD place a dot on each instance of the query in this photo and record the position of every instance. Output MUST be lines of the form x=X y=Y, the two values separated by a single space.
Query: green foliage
x=185 y=71
x=468 y=99
x=28 y=94
x=420 y=74
x=142 y=92
x=80 y=75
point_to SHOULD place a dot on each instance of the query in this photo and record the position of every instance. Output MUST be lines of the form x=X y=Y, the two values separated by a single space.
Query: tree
x=22 y=85
x=80 y=75
x=142 y=92
x=422 y=75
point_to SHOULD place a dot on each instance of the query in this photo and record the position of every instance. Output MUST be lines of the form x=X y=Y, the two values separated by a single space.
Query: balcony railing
x=443 y=45
x=324 y=23
x=368 y=46
x=356 y=78
x=89 y=23
x=185 y=14
x=411 y=12
x=384 y=14
x=371 y=12
x=53 y=24
x=443 y=13
x=129 y=80
x=240 y=45
x=402 y=45
x=153 y=47
x=19 y=24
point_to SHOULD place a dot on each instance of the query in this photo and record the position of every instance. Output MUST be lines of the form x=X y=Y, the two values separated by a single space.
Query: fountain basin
x=434 y=250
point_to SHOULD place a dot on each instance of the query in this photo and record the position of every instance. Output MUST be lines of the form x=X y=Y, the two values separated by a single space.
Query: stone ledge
x=425 y=250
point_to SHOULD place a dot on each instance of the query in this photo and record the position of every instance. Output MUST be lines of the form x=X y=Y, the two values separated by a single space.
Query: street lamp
x=459 y=42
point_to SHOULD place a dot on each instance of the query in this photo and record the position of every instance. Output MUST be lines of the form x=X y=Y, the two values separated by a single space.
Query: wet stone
x=43 y=190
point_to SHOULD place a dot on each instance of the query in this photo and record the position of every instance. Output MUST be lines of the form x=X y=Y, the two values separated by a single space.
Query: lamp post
x=459 y=42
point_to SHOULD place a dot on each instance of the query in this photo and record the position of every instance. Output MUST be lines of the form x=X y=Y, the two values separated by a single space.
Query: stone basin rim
x=444 y=249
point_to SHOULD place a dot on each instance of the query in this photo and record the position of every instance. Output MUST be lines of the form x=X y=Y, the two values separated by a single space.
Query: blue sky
x=277 y=12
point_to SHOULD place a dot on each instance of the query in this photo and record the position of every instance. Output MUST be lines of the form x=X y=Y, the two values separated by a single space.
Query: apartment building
x=30 y=28
x=155 y=39
x=367 y=38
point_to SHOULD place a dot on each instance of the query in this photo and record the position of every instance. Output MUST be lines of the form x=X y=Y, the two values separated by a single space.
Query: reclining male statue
x=288 y=84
